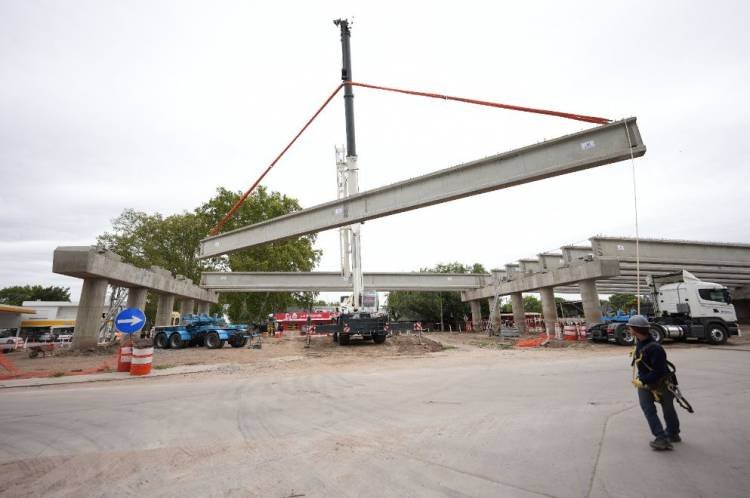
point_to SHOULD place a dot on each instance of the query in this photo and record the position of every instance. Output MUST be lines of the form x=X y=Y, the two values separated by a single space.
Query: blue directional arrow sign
x=130 y=320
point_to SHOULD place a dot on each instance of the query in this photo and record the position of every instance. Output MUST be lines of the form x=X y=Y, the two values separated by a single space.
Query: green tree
x=17 y=294
x=173 y=242
x=624 y=302
x=532 y=304
x=426 y=306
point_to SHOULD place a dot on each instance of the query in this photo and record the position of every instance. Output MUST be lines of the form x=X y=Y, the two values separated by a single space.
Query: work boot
x=660 y=444
x=675 y=438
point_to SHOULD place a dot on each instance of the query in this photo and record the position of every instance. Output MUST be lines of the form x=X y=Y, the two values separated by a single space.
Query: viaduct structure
x=98 y=268
x=609 y=266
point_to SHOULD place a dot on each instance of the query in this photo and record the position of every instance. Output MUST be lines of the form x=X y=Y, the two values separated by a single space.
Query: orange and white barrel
x=124 y=355
x=581 y=332
x=570 y=333
x=141 y=362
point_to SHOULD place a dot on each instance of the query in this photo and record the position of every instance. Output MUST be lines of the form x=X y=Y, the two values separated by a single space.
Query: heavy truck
x=360 y=325
x=200 y=330
x=684 y=307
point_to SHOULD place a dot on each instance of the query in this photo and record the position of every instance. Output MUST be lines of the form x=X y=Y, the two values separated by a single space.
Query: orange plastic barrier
x=140 y=364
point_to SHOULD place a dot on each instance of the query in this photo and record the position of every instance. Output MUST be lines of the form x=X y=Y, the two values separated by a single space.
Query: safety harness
x=669 y=381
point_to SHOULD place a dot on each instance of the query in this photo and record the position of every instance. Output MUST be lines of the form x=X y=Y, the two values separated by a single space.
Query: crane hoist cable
x=578 y=117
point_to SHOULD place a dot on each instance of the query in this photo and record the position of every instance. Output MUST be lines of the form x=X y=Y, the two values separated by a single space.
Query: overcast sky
x=108 y=105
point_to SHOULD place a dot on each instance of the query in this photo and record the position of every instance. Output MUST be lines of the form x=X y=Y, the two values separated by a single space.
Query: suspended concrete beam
x=88 y=262
x=672 y=251
x=586 y=149
x=333 y=281
x=589 y=270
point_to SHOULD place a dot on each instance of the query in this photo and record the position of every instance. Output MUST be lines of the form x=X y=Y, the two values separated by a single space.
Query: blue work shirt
x=653 y=356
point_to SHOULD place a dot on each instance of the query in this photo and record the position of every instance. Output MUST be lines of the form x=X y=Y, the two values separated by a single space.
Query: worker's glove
x=638 y=384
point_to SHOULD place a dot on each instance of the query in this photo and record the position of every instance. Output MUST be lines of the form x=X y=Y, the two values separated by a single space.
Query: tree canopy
x=624 y=302
x=172 y=242
x=17 y=294
x=426 y=306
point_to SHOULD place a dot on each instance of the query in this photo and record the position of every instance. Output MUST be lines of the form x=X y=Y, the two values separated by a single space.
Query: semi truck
x=684 y=307
x=200 y=330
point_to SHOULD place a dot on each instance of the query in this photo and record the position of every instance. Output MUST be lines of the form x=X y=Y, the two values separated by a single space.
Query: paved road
x=508 y=427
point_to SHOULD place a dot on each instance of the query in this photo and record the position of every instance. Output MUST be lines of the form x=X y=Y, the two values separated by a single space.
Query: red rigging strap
x=215 y=230
x=578 y=117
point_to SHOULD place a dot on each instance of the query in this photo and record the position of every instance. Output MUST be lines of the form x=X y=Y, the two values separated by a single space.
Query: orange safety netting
x=109 y=364
x=533 y=342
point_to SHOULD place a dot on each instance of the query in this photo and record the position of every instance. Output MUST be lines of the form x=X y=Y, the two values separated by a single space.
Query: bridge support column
x=204 y=308
x=519 y=314
x=549 y=309
x=187 y=306
x=89 y=316
x=164 y=309
x=476 y=315
x=137 y=298
x=592 y=309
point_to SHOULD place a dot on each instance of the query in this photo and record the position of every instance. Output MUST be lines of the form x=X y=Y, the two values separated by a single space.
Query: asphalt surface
x=511 y=427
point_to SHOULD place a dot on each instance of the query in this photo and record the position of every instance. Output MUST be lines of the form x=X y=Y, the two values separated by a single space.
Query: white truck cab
x=686 y=307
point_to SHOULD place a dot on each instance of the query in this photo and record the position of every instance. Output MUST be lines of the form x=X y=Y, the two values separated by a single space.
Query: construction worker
x=653 y=372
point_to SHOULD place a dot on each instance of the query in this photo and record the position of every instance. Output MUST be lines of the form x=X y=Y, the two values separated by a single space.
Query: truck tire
x=657 y=333
x=343 y=340
x=212 y=340
x=623 y=337
x=595 y=329
x=238 y=342
x=716 y=333
x=378 y=339
x=160 y=341
x=175 y=341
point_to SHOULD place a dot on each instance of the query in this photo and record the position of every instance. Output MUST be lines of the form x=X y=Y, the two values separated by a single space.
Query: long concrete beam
x=672 y=251
x=586 y=149
x=598 y=269
x=333 y=281
x=88 y=262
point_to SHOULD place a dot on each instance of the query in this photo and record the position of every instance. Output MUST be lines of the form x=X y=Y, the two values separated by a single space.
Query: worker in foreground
x=651 y=382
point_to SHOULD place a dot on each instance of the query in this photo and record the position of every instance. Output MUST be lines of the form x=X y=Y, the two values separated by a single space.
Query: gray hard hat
x=639 y=321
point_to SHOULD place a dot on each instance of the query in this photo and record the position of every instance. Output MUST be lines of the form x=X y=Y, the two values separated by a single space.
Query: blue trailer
x=200 y=330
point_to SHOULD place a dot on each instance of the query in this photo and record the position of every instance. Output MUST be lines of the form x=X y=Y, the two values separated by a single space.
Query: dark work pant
x=648 y=405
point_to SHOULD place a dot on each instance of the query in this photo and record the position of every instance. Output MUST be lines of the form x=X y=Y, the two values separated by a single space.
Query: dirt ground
x=292 y=352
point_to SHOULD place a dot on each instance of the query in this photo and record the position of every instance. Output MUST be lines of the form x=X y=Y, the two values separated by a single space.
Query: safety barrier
x=124 y=356
x=141 y=360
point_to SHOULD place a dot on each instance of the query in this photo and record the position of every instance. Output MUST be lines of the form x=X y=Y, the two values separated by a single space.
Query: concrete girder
x=572 y=274
x=742 y=293
x=529 y=266
x=575 y=152
x=672 y=251
x=571 y=254
x=550 y=261
x=334 y=281
x=512 y=270
x=692 y=268
x=88 y=262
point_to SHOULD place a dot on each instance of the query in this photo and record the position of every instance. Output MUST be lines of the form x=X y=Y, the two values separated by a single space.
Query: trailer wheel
x=343 y=340
x=238 y=342
x=160 y=341
x=213 y=341
x=623 y=337
x=175 y=341
x=656 y=333
x=717 y=334
x=378 y=339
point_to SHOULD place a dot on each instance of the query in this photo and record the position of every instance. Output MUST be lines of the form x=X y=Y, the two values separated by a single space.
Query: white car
x=10 y=343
